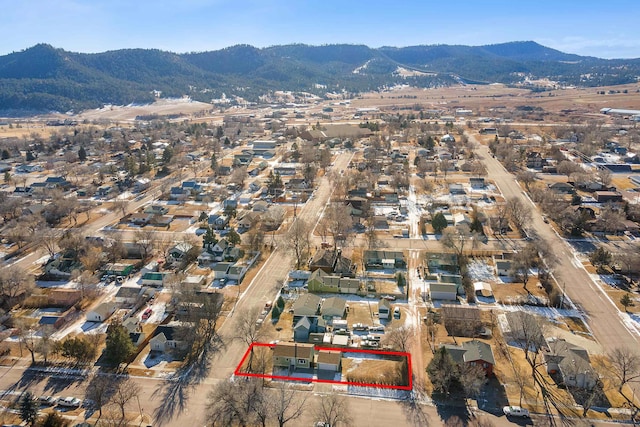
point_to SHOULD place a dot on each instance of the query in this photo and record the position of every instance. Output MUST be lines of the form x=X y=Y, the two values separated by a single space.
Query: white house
x=102 y=312
x=165 y=339
x=384 y=309
x=443 y=291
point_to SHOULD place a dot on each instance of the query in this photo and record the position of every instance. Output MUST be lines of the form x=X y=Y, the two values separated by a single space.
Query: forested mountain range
x=43 y=78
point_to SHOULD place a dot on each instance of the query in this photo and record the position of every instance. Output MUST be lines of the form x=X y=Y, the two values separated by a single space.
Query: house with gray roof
x=475 y=353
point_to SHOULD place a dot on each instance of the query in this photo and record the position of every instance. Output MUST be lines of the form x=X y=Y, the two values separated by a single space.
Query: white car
x=515 y=411
x=69 y=402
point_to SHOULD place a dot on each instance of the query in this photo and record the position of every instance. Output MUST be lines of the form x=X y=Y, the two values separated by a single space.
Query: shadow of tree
x=174 y=391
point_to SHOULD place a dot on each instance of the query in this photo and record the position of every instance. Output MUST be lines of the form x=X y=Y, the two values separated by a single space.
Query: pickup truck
x=515 y=411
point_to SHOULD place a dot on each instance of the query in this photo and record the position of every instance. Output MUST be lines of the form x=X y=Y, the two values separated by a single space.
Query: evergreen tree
x=82 y=154
x=209 y=238
x=119 y=346
x=233 y=237
x=167 y=154
x=30 y=157
x=5 y=154
x=439 y=222
x=28 y=409
x=214 y=162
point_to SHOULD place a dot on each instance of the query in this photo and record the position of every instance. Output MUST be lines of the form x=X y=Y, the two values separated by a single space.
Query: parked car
x=515 y=411
x=147 y=313
x=376 y=328
x=69 y=402
x=47 y=400
x=389 y=297
x=396 y=313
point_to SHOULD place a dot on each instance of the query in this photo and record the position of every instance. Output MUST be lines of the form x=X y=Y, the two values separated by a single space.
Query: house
x=157 y=210
x=535 y=161
x=104 y=190
x=571 y=363
x=447 y=138
x=101 y=312
x=329 y=360
x=334 y=307
x=57 y=182
x=457 y=189
x=475 y=353
x=154 y=279
x=165 y=339
x=293 y=355
x=179 y=193
x=161 y=220
x=319 y=281
x=307 y=305
x=608 y=197
x=128 y=294
x=117 y=269
x=180 y=250
x=383 y=259
x=302 y=330
x=306 y=326
x=265 y=148
x=380 y=222
x=562 y=188
x=462 y=320
x=248 y=220
x=477 y=183
x=218 y=221
x=384 y=309
x=442 y=261
x=332 y=262
x=503 y=267
x=521 y=327
x=260 y=206
x=221 y=269
x=237 y=271
x=140 y=219
x=443 y=291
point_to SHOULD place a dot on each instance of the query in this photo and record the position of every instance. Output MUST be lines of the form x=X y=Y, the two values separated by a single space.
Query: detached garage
x=443 y=291
x=329 y=360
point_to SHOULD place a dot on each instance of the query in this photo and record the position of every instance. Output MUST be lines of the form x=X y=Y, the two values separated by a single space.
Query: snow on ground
x=158 y=313
x=157 y=360
x=480 y=271
x=414 y=213
x=548 y=312
x=382 y=393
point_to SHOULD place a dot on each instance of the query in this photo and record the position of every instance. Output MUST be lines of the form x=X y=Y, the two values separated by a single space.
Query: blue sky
x=607 y=29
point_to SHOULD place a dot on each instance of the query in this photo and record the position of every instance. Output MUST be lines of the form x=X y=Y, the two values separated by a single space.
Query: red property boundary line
x=237 y=372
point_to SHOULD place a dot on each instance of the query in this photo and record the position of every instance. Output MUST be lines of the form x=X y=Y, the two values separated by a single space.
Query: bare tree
x=527 y=178
x=298 y=240
x=625 y=366
x=92 y=259
x=400 y=338
x=125 y=390
x=238 y=403
x=46 y=345
x=100 y=390
x=14 y=281
x=333 y=410
x=471 y=378
x=48 y=239
x=248 y=330
x=146 y=241
x=520 y=213
x=337 y=221
x=523 y=261
x=456 y=238
x=604 y=177
x=287 y=404
x=120 y=205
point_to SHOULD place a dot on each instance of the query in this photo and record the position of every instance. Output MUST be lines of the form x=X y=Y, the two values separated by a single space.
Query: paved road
x=603 y=316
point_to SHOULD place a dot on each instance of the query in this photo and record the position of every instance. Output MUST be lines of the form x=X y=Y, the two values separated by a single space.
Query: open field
x=480 y=98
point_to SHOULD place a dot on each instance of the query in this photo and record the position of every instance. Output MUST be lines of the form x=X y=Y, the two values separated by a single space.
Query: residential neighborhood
x=341 y=255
